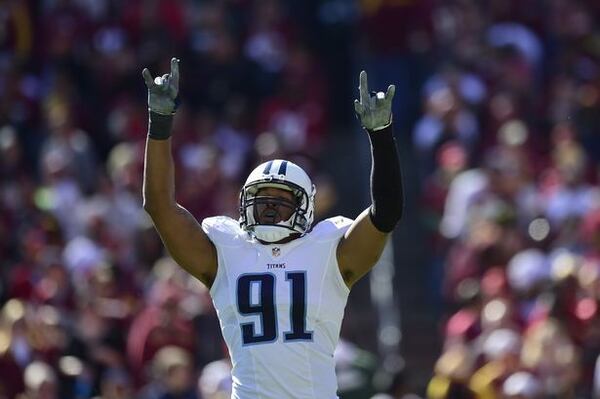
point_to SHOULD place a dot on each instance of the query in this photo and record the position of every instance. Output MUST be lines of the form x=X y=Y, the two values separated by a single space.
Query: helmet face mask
x=272 y=208
x=254 y=205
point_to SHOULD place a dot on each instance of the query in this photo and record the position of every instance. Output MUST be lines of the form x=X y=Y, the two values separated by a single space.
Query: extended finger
x=147 y=77
x=175 y=71
x=389 y=95
x=363 y=88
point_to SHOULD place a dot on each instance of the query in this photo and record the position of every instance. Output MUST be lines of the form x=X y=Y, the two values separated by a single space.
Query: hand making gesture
x=163 y=90
x=374 y=111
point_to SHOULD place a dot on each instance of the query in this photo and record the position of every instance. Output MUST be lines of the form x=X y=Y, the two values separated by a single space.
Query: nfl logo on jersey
x=276 y=251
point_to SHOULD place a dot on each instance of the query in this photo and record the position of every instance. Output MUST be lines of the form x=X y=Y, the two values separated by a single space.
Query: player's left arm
x=363 y=243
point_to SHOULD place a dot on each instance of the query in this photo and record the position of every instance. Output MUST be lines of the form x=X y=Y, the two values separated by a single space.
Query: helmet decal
x=267 y=169
x=283 y=167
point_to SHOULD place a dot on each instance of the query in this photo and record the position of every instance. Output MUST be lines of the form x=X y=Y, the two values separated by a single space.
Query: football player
x=278 y=282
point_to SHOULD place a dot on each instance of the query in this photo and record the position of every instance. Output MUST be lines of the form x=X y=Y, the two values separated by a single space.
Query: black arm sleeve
x=386 y=181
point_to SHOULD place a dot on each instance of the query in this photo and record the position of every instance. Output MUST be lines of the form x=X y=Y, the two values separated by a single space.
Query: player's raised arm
x=181 y=233
x=363 y=243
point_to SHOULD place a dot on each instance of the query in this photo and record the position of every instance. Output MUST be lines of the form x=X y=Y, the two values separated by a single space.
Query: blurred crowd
x=507 y=152
x=509 y=147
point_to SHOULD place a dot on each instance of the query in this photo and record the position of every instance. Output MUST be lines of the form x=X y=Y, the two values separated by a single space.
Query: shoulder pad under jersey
x=223 y=230
x=331 y=229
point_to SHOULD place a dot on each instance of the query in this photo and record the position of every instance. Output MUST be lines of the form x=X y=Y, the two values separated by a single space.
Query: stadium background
x=497 y=115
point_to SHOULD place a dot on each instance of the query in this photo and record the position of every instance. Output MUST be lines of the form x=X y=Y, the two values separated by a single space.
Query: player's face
x=274 y=205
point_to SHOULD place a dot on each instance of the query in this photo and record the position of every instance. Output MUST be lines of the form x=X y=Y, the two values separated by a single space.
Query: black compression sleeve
x=386 y=181
x=159 y=126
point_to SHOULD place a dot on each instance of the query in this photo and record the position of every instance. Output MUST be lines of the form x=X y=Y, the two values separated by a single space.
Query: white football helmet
x=285 y=175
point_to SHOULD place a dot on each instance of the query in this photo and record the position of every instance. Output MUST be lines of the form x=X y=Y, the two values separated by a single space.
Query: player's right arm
x=181 y=233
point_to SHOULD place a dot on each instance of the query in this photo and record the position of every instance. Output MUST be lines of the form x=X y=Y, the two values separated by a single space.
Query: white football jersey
x=280 y=307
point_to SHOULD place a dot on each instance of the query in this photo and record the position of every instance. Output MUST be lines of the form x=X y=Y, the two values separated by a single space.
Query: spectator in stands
x=172 y=375
x=40 y=382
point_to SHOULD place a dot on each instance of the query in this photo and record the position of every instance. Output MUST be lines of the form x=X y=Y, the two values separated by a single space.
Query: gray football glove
x=374 y=112
x=163 y=90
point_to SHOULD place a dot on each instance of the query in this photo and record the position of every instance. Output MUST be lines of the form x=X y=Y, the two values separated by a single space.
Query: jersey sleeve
x=331 y=229
x=223 y=231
